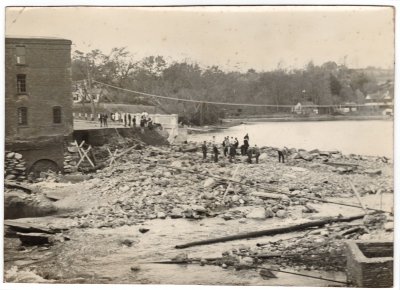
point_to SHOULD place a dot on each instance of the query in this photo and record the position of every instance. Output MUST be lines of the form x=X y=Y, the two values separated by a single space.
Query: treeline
x=328 y=84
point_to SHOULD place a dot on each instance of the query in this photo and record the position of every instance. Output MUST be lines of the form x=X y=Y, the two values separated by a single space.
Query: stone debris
x=14 y=167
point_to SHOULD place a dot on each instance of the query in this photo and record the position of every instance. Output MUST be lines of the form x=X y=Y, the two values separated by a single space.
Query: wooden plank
x=358 y=196
x=270 y=232
x=268 y=195
x=27 y=228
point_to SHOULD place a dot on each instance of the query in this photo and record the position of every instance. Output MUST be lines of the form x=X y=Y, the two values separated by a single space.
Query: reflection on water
x=358 y=137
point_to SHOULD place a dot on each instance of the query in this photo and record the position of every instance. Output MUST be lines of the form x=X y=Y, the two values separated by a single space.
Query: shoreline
x=238 y=121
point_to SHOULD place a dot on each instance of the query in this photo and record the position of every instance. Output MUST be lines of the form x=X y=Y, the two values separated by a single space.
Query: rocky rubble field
x=174 y=182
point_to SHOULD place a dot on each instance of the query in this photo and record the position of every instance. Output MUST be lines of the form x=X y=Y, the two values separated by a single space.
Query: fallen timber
x=271 y=232
x=28 y=228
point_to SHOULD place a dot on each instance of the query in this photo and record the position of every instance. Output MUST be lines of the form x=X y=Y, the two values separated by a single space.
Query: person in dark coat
x=236 y=143
x=249 y=155
x=105 y=117
x=282 y=152
x=129 y=120
x=225 y=146
x=204 y=150
x=216 y=152
x=125 y=120
x=232 y=152
x=245 y=146
x=134 y=121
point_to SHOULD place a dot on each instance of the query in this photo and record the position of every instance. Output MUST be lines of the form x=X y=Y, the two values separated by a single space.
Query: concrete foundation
x=370 y=264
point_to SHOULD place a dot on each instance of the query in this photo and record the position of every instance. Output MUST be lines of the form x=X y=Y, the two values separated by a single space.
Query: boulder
x=10 y=155
x=161 y=215
x=18 y=156
x=257 y=213
x=281 y=213
x=306 y=156
x=124 y=188
x=209 y=182
x=199 y=208
x=269 y=213
x=176 y=213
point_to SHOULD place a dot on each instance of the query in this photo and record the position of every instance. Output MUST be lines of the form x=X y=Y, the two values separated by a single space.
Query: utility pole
x=202 y=105
x=89 y=90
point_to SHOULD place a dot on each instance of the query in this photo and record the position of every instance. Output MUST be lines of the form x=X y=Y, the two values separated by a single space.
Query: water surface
x=373 y=138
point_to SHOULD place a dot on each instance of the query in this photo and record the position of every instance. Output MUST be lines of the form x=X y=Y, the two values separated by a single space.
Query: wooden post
x=89 y=90
x=358 y=196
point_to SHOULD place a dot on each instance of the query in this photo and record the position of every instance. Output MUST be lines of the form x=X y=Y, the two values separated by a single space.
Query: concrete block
x=370 y=263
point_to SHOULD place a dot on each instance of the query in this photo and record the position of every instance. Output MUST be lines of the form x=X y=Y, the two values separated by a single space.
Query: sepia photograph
x=199 y=145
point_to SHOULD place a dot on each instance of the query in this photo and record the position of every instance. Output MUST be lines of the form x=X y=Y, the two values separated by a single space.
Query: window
x=21 y=55
x=22 y=116
x=57 y=115
x=21 y=84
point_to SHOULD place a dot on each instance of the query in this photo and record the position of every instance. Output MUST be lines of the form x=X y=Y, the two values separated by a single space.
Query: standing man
x=216 y=152
x=125 y=119
x=256 y=153
x=249 y=155
x=245 y=145
x=204 y=149
x=236 y=143
x=134 y=121
x=129 y=120
x=105 y=117
x=232 y=152
x=282 y=152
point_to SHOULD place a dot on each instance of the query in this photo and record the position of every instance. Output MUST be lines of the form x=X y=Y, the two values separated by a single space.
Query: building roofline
x=17 y=38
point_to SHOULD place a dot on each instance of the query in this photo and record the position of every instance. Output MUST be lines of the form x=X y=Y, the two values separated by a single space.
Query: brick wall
x=48 y=84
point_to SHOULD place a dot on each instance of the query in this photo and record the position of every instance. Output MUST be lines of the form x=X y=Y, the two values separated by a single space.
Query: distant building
x=305 y=108
x=38 y=103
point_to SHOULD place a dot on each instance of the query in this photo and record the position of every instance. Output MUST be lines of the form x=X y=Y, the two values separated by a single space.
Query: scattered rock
x=281 y=213
x=209 y=182
x=257 y=213
x=144 y=230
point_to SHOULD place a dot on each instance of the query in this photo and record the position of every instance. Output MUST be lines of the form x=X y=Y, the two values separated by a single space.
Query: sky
x=233 y=38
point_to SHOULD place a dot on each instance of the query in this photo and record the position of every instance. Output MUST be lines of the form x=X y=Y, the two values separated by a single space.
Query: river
x=373 y=138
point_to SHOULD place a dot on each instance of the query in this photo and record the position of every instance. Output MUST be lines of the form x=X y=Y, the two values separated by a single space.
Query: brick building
x=38 y=101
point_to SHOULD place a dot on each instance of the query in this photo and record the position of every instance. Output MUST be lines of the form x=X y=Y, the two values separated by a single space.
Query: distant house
x=80 y=93
x=38 y=105
x=305 y=108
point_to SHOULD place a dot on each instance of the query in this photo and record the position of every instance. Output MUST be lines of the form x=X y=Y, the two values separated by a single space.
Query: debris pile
x=14 y=166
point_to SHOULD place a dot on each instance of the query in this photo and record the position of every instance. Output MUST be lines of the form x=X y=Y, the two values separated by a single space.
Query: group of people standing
x=129 y=120
x=230 y=146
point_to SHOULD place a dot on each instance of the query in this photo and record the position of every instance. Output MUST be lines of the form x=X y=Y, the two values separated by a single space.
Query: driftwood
x=268 y=195
x=303 y=275
x=24 y=188
x=270 y=232
x=27 y=228
x=341 y=164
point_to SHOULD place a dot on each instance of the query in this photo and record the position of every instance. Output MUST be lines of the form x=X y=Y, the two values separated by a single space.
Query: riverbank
x=119 y=219
x=295 y=118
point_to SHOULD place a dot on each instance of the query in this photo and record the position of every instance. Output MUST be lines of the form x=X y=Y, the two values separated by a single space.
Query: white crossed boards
x=83 y=152
x=113 y=156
